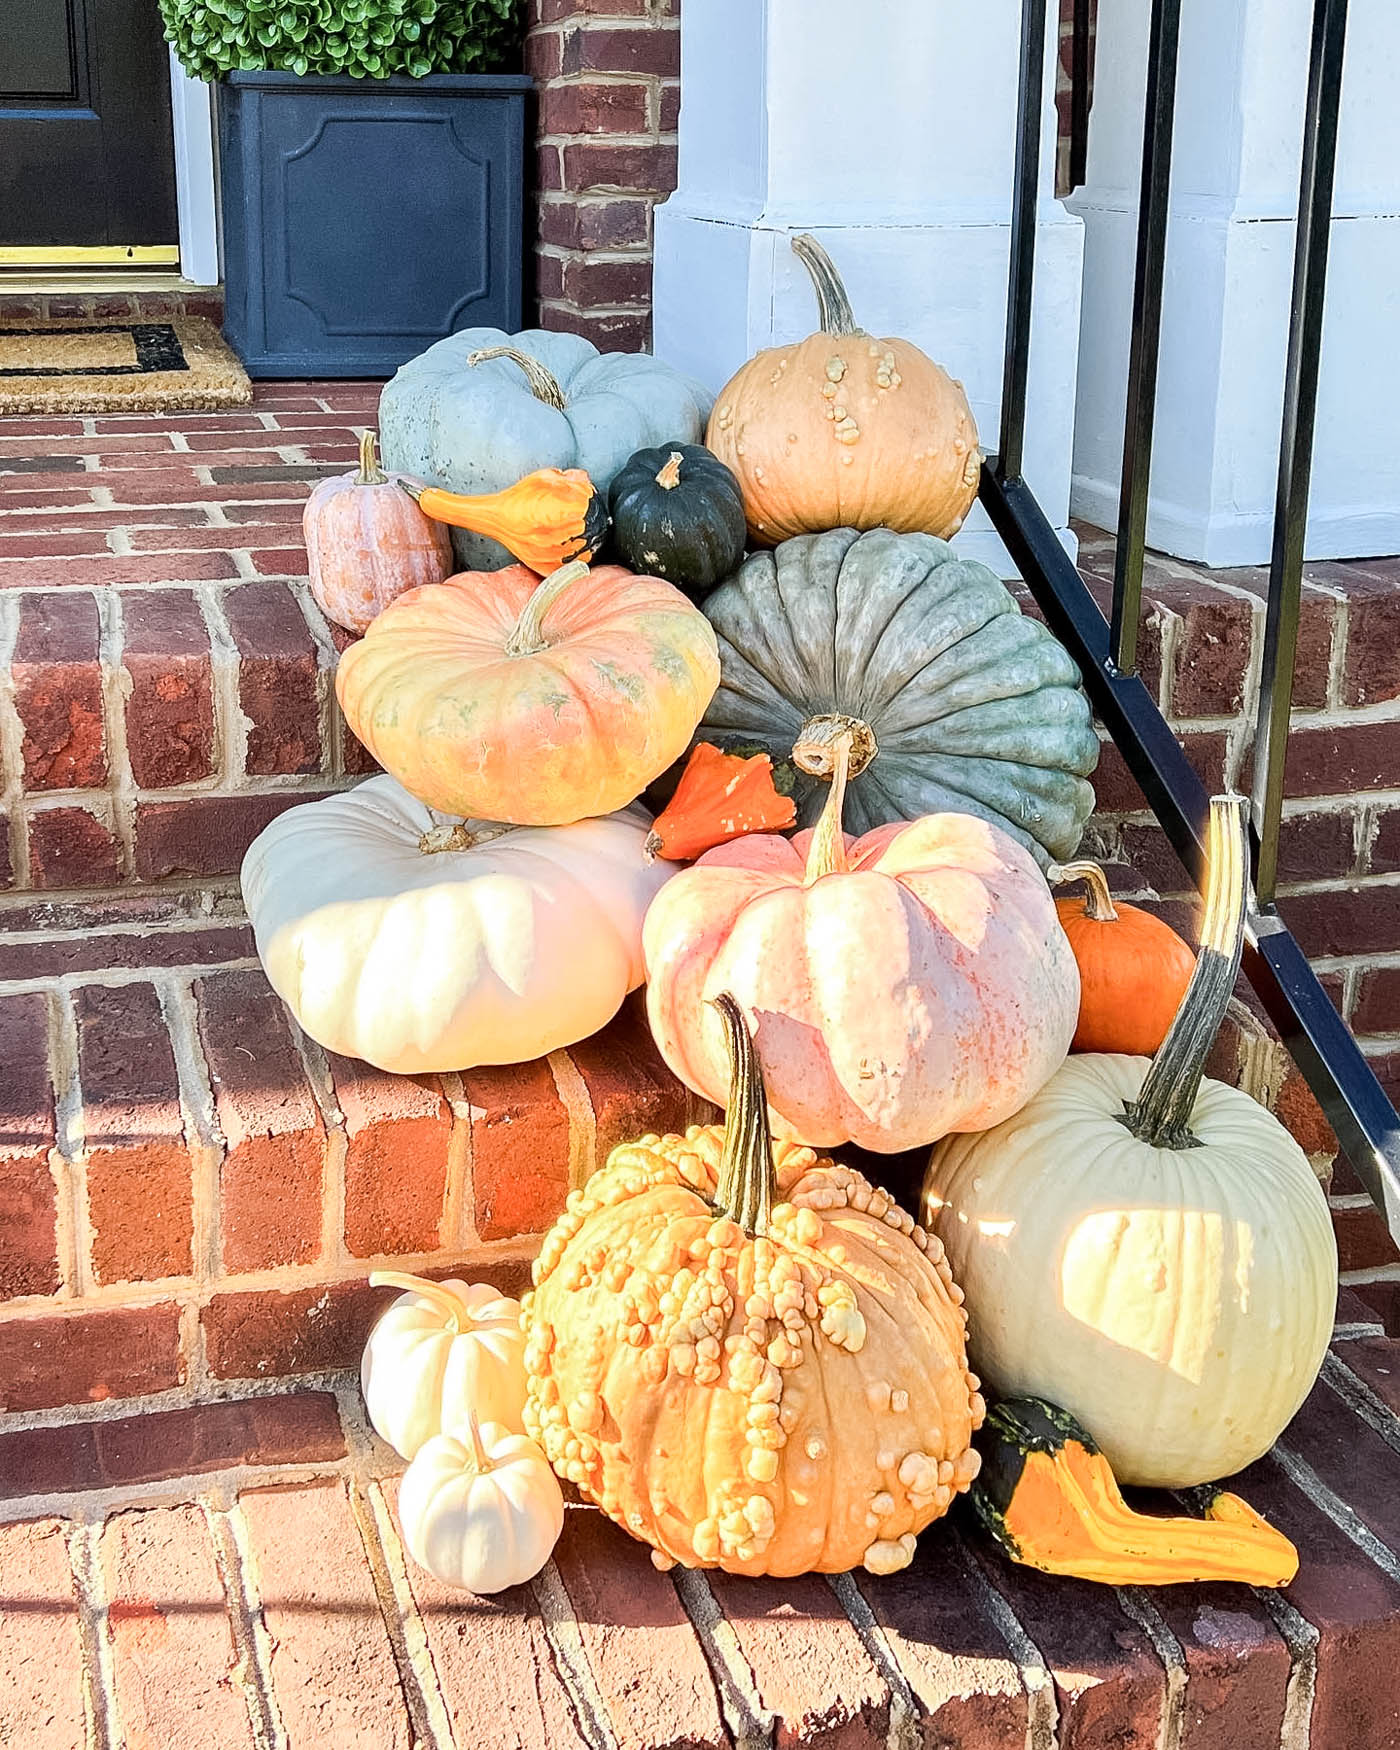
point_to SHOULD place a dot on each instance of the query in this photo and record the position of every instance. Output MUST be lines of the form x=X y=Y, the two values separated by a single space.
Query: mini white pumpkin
x=440 y=1352
x=420 y=942
x=482 y=1511
x=1150 y=1250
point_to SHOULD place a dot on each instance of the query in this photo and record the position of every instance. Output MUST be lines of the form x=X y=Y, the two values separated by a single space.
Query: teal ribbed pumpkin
x=972 y=706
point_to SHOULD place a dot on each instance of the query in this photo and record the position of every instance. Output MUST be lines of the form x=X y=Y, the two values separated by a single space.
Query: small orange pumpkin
x=545 y=520
x=1133 y=968
x=721 y=796
x=366 y=543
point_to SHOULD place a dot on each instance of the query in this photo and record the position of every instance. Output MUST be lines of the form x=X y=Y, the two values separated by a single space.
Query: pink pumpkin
x=900 y=986
x=367 y=542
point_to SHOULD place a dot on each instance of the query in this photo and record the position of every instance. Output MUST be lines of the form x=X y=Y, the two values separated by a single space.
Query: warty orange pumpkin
x=845 y=430
x=749 y=1357
x=501 y=697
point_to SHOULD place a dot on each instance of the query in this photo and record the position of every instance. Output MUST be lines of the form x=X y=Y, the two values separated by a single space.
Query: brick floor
x=233 y=1575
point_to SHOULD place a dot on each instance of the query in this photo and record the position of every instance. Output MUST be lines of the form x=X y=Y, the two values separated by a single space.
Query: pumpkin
x=677 y=513
x=1049 y=1499
x=480 y=409
x=366 y=543
x=1133 y=968
x=968 y=705
x=441 y=1349
x=481 y=1508
x=846 y=430
x=501 y=696
x=1149 y=1249
x=749 y=1357
x=544 y=520
x=420 y=942
x=904 y=984
x=721 y=796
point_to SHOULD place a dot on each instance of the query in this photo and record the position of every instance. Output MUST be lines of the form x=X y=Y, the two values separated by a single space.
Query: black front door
x=86 y=155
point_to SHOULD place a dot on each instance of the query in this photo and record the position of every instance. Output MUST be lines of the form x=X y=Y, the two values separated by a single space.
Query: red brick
x=1345 y=920
x=598 y=50
x=53 y=543
x=1353 y=1310
x=99 y=952
x=122 y=569
x=1371 y=672
x=88 y=516
x=276 y=678
x=1376 y=1362
x=615 y=222
x=589 y=282
x=206 y=835
x=138 y=1168
x=279 y=561
x=669 y=113
x=41 y=1652
x=494 y=1665
x=1312 y=847
x=549 y=173
x=520 y=1148
x=549 y=275
x=159 y=539
x=1317 y=625
x=594 y=109
x=1363 y=1239
x=333 y=1671
x=1351 y=1459
x=1237 y=1666
x=631 y=1090
x=20 y=444
x=170 y=708
x=270 y=1180
x=1296 y=1108
x=1212 y=652
x=553 y=11
x=172 y=1645
x=1117 y=791
x=1151 y=858
x=71 y=847
x=397 y=1133
x=639 y=1642
x=58 y=692
x=619 y=331
x=74 y=1457
x=1383 y=857
x=543 y=55
x=28 y=1243
x=86 y=1356
x=811 y=1670
x=1377 y=1007
x=1339 y=760
x=1385 y=1066
x=600 y=164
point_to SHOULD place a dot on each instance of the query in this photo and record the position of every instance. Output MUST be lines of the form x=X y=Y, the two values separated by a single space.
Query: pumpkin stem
x=370 y=474
x=669 y=476
x=833 y=305
x=747 y=1181
x=544 y=385
x=528 y=638
x=1099 y=906
x=441 y=1299
x=479 y=1458
x=458 y=836
x=832 y=747
x=1161 y=1114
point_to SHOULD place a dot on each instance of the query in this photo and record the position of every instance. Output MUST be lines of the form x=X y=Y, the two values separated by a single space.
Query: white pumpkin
x=441 y=1352
x=419 y=942
x=1150 y=1250
x=482 y=1511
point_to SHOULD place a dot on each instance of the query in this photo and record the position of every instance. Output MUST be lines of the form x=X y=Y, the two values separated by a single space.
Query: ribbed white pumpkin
x=1176 y=1299
x=420 y=943
x=441 y=1352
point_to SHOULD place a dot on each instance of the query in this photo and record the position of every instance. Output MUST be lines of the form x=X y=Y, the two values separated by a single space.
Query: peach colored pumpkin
x=367 y=542
x=902 y=985
x=501 y=697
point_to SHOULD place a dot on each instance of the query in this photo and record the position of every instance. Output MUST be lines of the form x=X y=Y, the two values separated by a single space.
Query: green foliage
x=368 y=39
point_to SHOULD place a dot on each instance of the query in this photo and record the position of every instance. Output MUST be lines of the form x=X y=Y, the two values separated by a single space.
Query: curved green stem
x=1161 y=1114
x=834 y=307
x=544 y=385
x=528 y=637
x=747 y=1178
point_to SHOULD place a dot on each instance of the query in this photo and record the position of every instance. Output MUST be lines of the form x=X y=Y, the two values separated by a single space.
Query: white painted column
x=1241 y=83
x=196 y=199
x=887 y=130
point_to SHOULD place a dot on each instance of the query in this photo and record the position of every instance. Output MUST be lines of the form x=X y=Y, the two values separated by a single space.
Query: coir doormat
x=179 y=364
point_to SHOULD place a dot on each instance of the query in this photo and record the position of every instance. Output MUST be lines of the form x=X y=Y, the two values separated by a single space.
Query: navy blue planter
x=363 y=219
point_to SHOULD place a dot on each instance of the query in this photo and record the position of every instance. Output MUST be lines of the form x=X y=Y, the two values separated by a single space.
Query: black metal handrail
x=1330 y=1060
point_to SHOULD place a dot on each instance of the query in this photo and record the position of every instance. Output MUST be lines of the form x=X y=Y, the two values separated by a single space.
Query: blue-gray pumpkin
x=965 y=703
x=481 y=409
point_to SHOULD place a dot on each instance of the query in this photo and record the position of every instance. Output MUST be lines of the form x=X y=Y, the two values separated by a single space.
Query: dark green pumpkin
x=678 y=513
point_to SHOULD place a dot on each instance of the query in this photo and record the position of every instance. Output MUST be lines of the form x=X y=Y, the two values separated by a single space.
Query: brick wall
x=608 y=74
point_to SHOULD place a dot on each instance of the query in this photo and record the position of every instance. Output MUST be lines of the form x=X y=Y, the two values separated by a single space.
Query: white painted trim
x=192 y=114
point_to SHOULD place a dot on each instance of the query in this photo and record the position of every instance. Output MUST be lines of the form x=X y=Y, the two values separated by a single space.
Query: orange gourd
x=721 y=796
x=366 y=543
x=1133 y=968
x=546 y=519
x=503 y=698
x=750 y=1357
x=844 y=430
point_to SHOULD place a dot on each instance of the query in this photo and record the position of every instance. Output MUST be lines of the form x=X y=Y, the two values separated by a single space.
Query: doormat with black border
x=176 y=364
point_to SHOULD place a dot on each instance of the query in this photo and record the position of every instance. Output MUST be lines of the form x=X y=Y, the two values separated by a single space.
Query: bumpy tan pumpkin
x=751 y=1359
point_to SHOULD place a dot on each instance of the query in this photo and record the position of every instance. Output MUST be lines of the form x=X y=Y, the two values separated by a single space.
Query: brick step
x=167 y=680
x=113 y=304
x=200 y=1573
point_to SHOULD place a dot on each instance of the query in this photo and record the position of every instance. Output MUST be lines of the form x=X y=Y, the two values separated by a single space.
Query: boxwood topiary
x=368 y=39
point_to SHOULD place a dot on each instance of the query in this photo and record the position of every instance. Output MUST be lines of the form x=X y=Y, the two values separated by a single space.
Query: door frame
x=196 y=183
